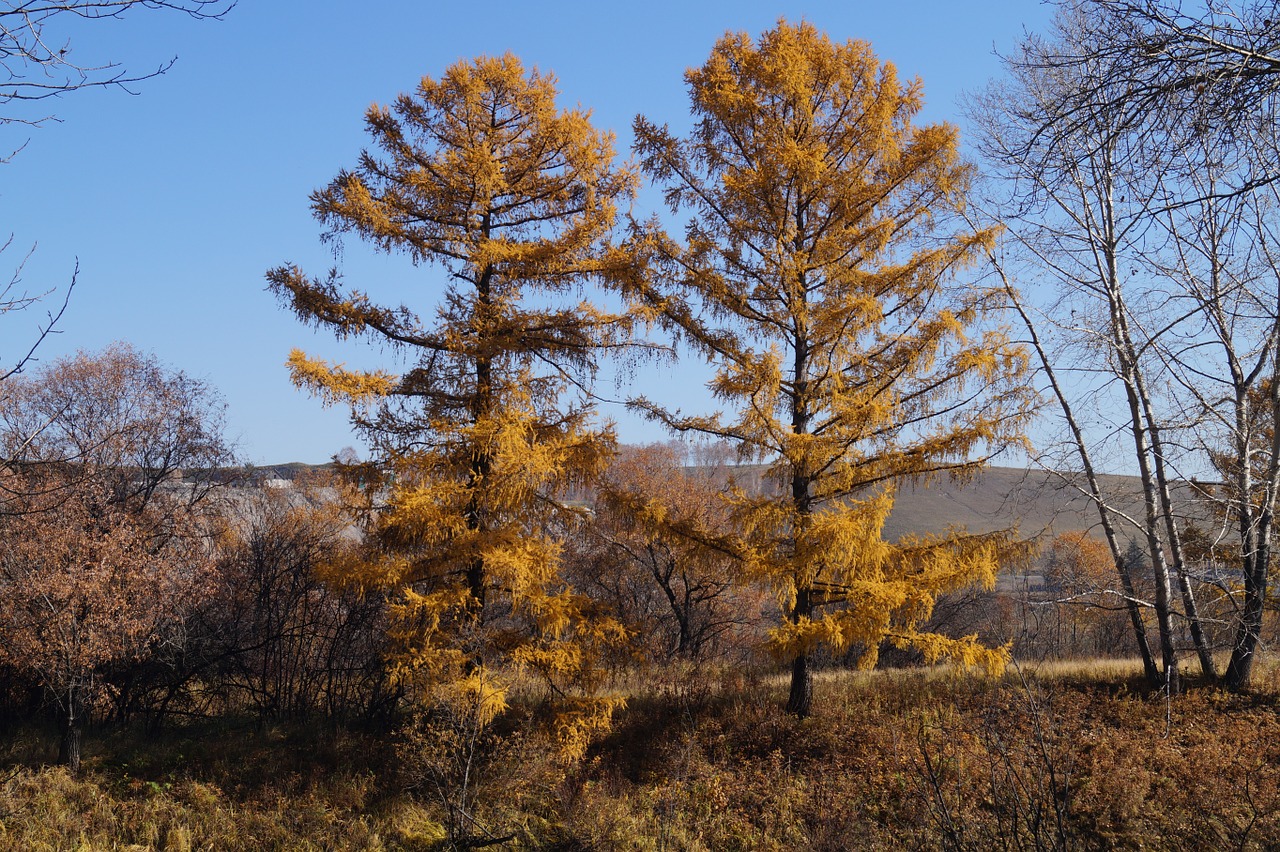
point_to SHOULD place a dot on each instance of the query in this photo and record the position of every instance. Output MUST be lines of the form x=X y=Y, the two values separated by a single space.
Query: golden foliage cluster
x=817 y=277
x=816 y=274
x=481 y=173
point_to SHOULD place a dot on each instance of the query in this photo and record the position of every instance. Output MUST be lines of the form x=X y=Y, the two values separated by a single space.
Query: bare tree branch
x=37 y=62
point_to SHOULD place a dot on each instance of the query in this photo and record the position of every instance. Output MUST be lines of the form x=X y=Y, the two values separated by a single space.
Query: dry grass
x=213 y=786
x=1109 y=670
x=48 y=809
x=1063 y=756
x=1054 y=756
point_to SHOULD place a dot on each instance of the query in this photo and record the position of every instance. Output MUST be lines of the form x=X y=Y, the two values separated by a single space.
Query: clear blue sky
x=177 y=200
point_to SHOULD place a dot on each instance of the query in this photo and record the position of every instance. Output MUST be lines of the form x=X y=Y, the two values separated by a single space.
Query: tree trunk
x=1249 y=630
x=1160 y=568
x=1123 y=568
x=1257 y=541
x=1149 y=669
x=481 y=458
x=69 y=747
x=1129 y=371
x=1198 y=638
x=800 y=700
x=1244 y=652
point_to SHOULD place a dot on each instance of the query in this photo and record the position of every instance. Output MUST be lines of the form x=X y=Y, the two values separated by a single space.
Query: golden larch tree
x=481 y=174
x=816 y=275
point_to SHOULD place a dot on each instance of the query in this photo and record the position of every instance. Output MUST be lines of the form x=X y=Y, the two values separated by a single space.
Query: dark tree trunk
x=800 y=701
x=69 y=747
x=1244 y=652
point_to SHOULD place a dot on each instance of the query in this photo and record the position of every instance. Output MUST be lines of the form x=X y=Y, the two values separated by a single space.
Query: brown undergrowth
x=1067 y=758
x=915 y=760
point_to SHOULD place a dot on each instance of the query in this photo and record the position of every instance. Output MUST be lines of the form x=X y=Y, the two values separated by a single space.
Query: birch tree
x=1142 y=221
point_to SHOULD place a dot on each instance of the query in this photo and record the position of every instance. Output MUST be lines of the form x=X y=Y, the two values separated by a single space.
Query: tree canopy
x=814 y=275
x=481 y=174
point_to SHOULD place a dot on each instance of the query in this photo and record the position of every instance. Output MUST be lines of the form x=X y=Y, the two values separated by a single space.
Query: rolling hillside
x=1036 y=503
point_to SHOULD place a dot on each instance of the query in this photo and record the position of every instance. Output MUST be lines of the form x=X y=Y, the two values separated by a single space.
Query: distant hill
x=1039 y=504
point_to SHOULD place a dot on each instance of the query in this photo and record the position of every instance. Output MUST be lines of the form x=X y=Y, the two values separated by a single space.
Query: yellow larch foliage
x=478 y=173
x=336 y=385
x=817 y=275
